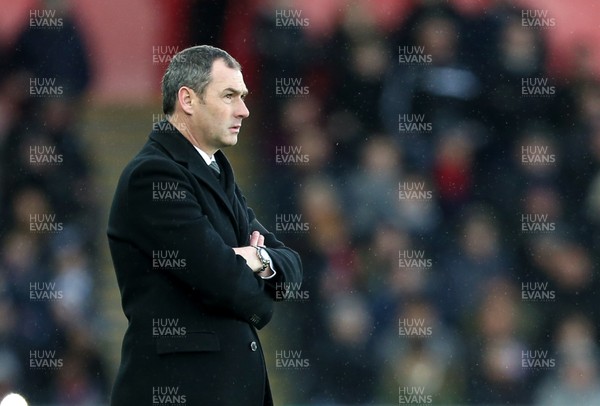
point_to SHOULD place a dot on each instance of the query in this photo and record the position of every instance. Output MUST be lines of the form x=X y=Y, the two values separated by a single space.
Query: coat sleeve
x=213 y=271
x=285 y=260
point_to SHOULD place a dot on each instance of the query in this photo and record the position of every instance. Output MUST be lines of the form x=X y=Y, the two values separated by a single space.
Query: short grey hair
x=191 y=67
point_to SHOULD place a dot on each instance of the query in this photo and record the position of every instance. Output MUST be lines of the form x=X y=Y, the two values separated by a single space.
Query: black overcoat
x=192 y=304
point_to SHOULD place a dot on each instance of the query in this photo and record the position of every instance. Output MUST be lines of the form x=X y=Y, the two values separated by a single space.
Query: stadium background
x=502 y=315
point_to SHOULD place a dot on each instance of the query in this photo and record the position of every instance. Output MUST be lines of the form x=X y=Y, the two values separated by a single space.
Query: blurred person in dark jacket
x=430 y=85
x=496 y=374
x=53 y=48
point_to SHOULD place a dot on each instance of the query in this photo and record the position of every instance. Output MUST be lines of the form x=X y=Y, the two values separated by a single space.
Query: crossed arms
x=219 y=275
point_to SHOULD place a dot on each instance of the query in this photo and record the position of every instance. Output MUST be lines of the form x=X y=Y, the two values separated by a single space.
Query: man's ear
x=185 y=98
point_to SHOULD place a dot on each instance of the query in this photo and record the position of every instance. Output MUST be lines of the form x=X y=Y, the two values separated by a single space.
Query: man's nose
x=242 y=111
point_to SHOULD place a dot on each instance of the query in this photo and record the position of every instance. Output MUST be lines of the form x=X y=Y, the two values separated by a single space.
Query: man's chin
x=230 y=141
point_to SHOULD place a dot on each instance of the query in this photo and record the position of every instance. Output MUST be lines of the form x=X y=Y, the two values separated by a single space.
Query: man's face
x=218 y=114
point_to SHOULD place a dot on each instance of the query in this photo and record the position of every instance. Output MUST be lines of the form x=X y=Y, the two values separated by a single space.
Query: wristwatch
x=264 y=259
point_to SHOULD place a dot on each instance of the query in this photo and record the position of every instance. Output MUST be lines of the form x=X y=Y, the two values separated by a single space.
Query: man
x=197 y=272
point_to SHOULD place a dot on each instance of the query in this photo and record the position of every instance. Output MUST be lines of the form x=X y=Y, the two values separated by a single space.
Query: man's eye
x=229 y=96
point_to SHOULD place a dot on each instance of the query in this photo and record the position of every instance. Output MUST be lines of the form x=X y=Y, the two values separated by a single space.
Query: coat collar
x=182 y=151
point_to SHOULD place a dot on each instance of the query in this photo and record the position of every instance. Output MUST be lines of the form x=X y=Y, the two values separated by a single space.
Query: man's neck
x=184 y=129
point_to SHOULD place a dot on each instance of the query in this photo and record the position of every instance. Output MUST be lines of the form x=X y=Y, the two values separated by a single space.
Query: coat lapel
x=182 y=151
x=238 y=206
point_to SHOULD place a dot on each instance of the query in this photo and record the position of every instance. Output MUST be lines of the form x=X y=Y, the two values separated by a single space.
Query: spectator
x=575 y=379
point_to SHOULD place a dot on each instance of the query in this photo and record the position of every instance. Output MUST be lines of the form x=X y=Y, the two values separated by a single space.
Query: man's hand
x=257 y=239
x=250 y=255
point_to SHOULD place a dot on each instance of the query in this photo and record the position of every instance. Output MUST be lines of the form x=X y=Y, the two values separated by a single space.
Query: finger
x=261 y=240
x=254 y=238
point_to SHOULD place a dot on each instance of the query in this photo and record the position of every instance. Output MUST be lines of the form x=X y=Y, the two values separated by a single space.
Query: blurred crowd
x=49 y=224
x=448 y=142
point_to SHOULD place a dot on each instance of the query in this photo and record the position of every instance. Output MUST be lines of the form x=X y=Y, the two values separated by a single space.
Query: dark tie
x=215 y=167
